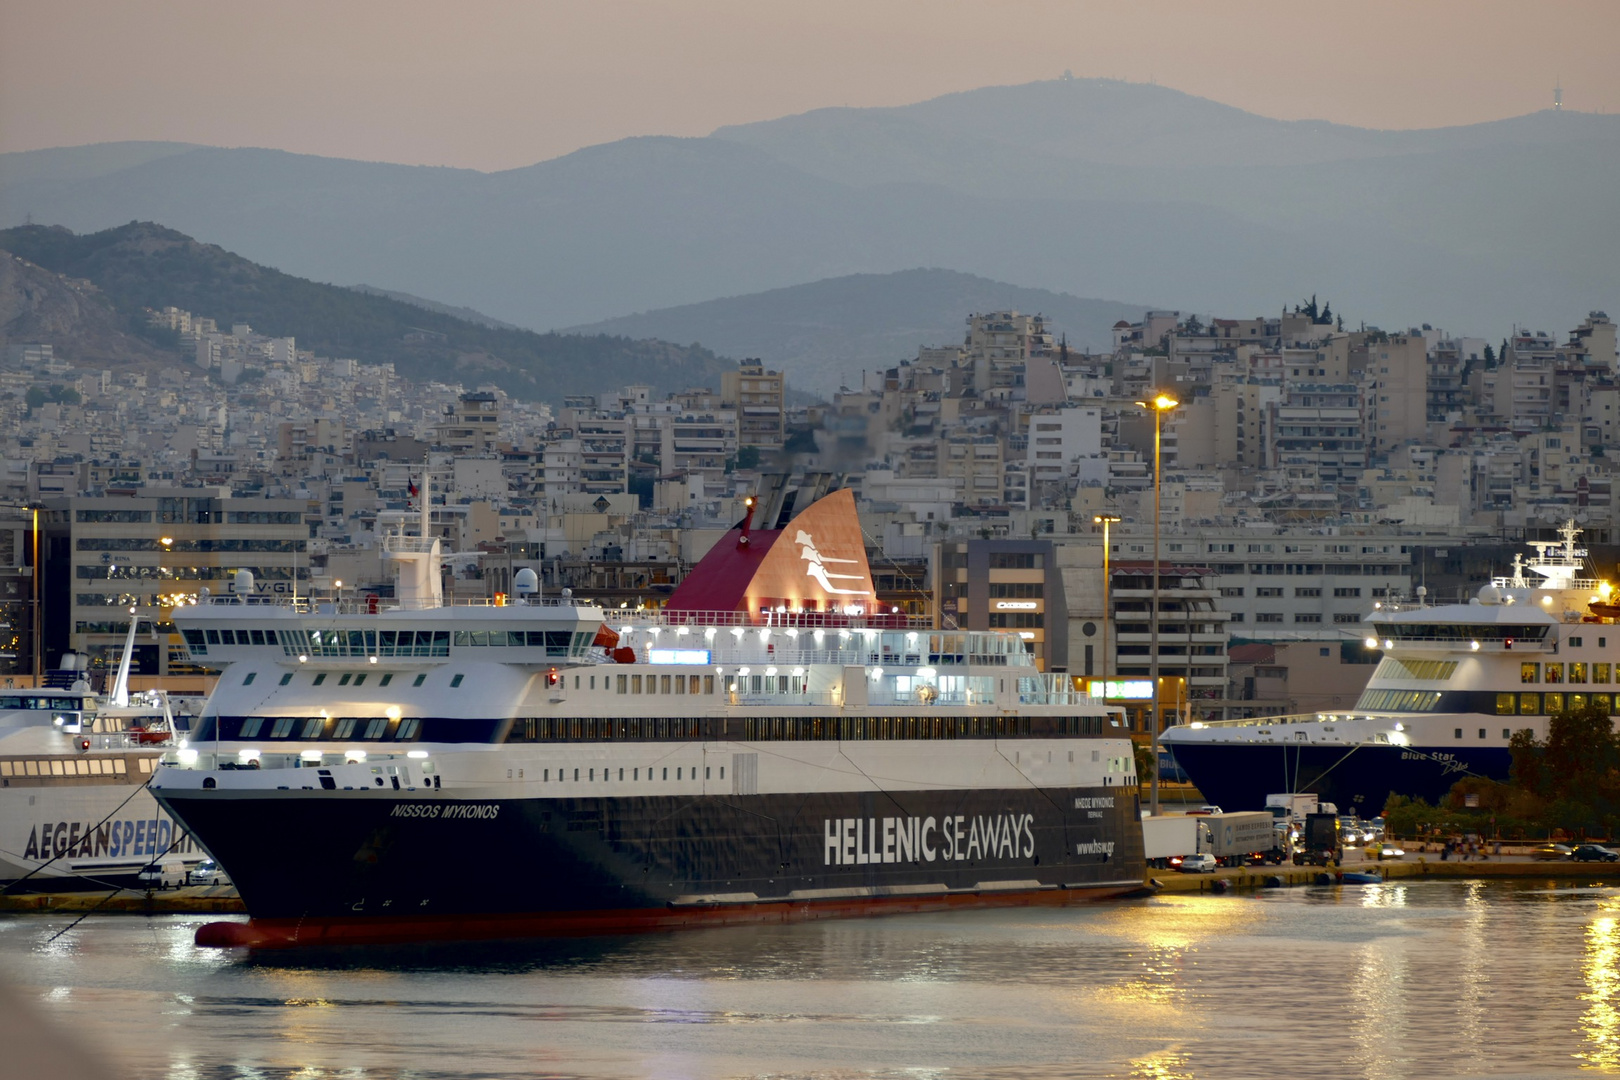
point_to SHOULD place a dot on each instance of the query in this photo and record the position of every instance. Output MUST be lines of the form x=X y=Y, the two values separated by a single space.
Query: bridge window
x=1529 y=673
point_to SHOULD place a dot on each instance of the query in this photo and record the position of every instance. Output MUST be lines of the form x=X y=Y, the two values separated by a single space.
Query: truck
x=1169 y=838
x=1295 y=805
x=1235 y=837
x=1320 y=840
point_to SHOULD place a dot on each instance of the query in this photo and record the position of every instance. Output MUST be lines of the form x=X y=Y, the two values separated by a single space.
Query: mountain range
x=825 y=333
x=88 y=295
x=1093 y=188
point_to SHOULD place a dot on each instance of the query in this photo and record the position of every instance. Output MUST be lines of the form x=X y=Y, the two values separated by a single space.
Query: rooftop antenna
x=1558 y=96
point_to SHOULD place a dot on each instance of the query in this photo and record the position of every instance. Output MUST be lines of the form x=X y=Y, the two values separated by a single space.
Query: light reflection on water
x=1412 y=979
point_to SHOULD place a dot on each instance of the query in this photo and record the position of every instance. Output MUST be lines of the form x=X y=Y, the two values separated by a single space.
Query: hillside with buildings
x=141 y=266
x=1307 y=471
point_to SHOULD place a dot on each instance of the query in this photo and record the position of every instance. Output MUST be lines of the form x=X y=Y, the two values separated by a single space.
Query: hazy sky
x=489 y=84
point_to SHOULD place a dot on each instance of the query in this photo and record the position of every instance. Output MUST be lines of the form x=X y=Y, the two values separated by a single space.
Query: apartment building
x=1005 y=585
x=760 y=400
x=155 y=550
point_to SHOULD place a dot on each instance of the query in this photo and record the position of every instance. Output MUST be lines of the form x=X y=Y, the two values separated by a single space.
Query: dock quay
x=1410 y=868
x=200 y=899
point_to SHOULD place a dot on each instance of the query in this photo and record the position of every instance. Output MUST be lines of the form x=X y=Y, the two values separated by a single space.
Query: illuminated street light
x=1105 y=520
x=1160 y=404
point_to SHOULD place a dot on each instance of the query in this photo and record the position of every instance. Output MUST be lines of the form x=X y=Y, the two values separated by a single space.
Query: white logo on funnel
x=815 y=567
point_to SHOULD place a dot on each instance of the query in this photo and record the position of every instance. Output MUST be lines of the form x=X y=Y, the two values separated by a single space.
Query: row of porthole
x=682 y=772
x=70 y=767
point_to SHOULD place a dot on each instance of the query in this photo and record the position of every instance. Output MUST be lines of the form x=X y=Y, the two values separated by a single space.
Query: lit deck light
x=1371 y=643
x=1474 y=645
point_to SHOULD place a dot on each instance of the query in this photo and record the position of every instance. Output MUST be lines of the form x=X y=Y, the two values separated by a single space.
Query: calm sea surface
x=1434 y=979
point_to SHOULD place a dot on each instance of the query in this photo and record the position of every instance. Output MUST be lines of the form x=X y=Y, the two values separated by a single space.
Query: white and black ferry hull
x=66 y=834
x=342 y=867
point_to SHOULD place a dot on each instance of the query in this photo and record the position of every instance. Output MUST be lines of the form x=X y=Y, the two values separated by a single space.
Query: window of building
x=1307 y=592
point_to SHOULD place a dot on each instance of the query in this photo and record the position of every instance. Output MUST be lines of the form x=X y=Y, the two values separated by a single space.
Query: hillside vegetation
x=142 y=265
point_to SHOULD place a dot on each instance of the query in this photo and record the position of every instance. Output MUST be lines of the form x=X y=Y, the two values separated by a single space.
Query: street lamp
x=1105 y=520
x=1159 y=405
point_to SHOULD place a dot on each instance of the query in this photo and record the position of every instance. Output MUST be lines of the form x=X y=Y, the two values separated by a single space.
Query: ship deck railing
x=370 y=604
x=800 y=620
x=129 y=740
x=1295 y=718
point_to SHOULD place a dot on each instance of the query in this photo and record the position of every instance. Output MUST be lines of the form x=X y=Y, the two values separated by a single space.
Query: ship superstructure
x=379 y=769
x=74 y=809
x=1454 y=682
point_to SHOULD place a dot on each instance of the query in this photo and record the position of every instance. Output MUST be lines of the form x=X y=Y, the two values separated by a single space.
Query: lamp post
x=1105 y=520
x=39 y=610
x=1159 y=404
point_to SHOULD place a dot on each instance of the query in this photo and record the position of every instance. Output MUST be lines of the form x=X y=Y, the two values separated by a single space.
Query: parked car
x=163 y=874
x=1594 y=853
x=1202 y=863
x=1552 y=852
x=205 y=873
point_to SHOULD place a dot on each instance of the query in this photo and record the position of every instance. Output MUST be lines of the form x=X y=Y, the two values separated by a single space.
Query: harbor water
x=1406 y=979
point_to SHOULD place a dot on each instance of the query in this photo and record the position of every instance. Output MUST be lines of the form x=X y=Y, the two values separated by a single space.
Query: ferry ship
x=1454 y=683
x=74 y=809
x=767 y=747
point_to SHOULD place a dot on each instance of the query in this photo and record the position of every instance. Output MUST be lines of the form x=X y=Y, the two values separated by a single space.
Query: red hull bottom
x=290 y=933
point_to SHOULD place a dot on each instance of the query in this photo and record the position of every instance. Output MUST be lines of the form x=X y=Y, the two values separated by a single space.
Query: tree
x=35 y=397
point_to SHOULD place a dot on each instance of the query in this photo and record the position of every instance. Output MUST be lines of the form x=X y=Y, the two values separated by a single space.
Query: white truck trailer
x=1169 y=838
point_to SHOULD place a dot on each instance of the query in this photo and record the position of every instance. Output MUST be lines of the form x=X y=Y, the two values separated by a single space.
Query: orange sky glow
x=495 y=84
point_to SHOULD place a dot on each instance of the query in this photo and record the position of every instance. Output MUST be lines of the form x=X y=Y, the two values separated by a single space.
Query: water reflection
x=1600 y=1023
x=1414 y=979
